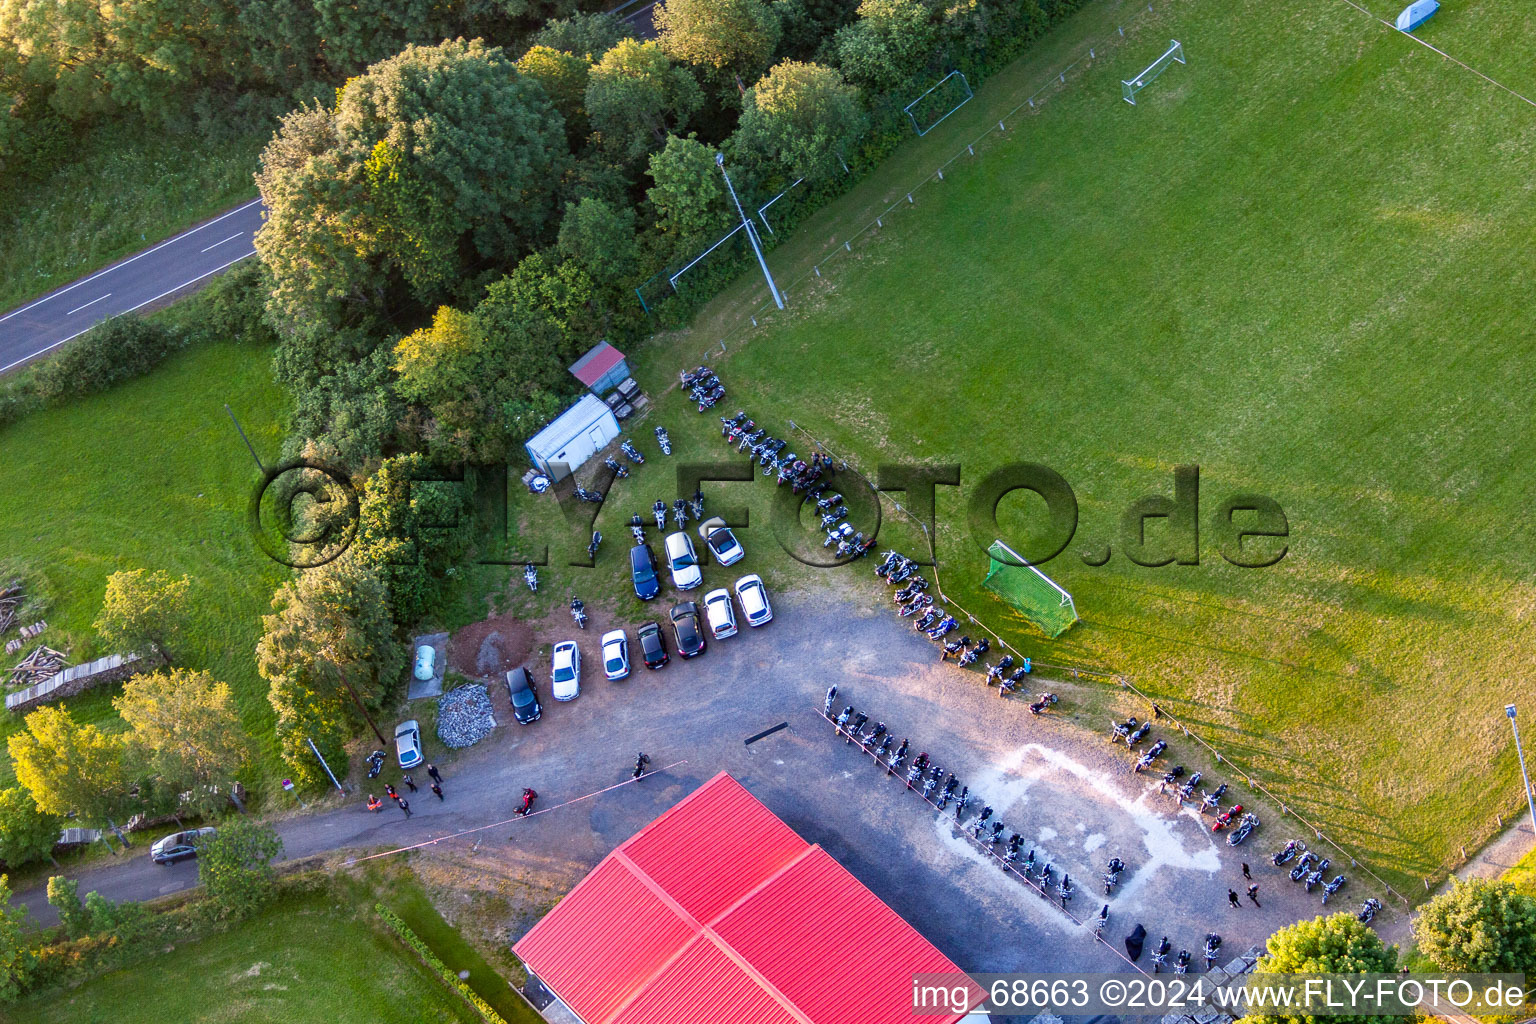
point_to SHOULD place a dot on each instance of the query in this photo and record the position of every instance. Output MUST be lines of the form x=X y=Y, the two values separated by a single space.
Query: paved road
x=638 y=15
x=130 y=284
x=1065 y=789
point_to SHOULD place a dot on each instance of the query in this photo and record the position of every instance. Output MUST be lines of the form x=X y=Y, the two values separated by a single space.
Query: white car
x=408 y=744
x=565 y=671
x=720 y=613
x=615 y=654
x=682 y=561
x=754 y=600
x=722 y=543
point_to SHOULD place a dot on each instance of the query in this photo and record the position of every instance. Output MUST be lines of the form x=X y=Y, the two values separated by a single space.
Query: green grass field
x=309 y=959
x=1302 y=262
x=124 y=188
x=151 y=474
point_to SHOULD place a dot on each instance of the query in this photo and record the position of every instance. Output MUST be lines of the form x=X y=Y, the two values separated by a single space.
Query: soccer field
x=1301 y=262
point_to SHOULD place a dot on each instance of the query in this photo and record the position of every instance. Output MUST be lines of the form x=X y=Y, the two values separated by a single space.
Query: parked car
x=683 y=562
x=615 y=654
x=408 y=744
x=522 y=695
x=426 y=662
x=722 y=543
x=754 y=600
x=653 y=645
x=720 y=613
x=642 y=572
x=178 y=845
x=685 y=629
x=565 y=671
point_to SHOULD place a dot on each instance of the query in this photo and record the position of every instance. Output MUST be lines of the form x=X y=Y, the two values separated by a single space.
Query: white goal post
x=1130 y=87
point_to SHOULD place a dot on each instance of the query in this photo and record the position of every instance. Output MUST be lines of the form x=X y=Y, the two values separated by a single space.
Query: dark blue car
x=642 y=570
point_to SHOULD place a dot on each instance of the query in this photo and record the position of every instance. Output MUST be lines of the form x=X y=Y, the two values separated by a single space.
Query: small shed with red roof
x=718 y=911
x=602 y=369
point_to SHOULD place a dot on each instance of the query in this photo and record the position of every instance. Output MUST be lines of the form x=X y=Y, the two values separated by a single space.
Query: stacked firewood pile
x=42 y=664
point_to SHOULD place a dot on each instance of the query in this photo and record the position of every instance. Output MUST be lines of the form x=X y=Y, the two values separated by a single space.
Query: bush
x=411 y=939
x=117 y=350
x=235 y=867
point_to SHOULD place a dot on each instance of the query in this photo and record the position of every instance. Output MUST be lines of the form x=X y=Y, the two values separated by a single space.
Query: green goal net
x=1032 y=592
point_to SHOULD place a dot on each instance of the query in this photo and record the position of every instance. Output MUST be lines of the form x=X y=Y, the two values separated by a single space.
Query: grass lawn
x=310 y=959
x=151 y=474
x=124 y=188
x=1301 y=262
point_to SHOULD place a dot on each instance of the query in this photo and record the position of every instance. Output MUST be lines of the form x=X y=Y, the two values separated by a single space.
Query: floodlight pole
x=1509 y=709
x=751 y=235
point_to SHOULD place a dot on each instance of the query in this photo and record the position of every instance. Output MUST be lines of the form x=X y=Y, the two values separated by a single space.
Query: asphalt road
x=133 y=283
x=1062 y=787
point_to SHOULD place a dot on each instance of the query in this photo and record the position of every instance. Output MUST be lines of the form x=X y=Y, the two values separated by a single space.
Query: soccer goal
x=1031 y=591
x=1173 y=55
x=943 y=98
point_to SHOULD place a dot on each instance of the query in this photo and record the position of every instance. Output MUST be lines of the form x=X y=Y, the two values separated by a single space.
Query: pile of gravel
x=464 y=716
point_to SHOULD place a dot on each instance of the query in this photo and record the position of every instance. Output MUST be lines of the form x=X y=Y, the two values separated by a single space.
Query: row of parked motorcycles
x=1310 y=870
x=804 y=477
x=913 y=601
x=1238 y=823
x=986 y=829
x=702 y=385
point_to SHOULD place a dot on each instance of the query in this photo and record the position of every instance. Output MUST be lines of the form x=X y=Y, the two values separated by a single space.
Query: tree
x=689 y=194
x=588 y=36
x=64 y=898
x=186 y=732
x=411 y=530
x=888 y=44
x=68 y=767
x=234 y=865
x=601 y=237
x=332 y=629
x=1479 y=926
x=435 y=161
x=17 y=960
x=564 y=78
x=27 y=832
x=807 y=116
x=144 y=610
x=1339 y=944
x=305 y=716
x=729 y=38
x=466 y=366
x=636 y=95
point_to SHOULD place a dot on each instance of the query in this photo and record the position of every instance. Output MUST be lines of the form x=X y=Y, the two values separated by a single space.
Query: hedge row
x=410 y=938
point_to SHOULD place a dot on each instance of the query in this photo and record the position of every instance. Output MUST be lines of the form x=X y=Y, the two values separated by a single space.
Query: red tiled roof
x=601 y=358
x=718 y=911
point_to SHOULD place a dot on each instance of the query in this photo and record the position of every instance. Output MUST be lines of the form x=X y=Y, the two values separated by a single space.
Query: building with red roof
x=717 y=911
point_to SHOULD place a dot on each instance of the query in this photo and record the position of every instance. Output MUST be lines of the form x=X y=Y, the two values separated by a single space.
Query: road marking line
x=221 y=241
x=91 y=303
x=72 y=337
x=107 y=270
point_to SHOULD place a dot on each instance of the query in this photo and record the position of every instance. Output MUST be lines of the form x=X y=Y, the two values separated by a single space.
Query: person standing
x=389 y=791
x=437 y=790
x=1232 y=899
x=1245 y=871
x=412 y=783
x=432 y=771
x=1253 y=893
x=405 y=805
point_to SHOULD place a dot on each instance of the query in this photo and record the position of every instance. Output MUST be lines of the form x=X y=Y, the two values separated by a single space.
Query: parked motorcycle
x=1292 y=848
x=1225 y=817
x=996 y=670
x=1212 y=801
x=582 y=494
x=1250 y=822
x=1332 y=887
x=1303 y=866
x=663 y=440
x=376 y=763
x=1212 y=949
x=659 y=510
x=826 y=707
x=619 y=470
x=633 y=453
x=579 y=613
x=1160 y=955
x=1044 y=701
x=1139 y=734
x=1152 y=754
x=1181 y=965
x=946 y=624
x=1368 y=910
x=531 y=576
x=1187 y=790
x=1122 y=730
x=955 y=647
x=969 y=656
x=852 y=731
x=1112 y=874
x=597 y=538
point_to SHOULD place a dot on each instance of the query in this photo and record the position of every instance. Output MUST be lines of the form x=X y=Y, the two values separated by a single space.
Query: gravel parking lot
x=1068 y=791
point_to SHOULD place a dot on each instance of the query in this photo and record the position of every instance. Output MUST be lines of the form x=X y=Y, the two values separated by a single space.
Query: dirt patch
x=486 y=649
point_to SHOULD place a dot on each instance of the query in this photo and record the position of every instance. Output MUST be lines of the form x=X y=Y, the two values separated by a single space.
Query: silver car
x=408 y=744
